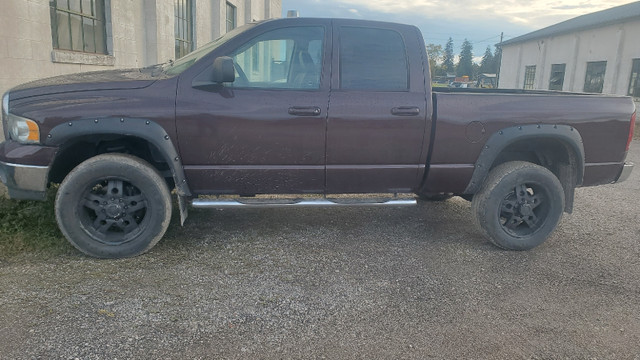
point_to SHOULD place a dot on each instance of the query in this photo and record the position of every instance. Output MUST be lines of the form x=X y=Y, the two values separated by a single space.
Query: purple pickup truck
x=309 y=107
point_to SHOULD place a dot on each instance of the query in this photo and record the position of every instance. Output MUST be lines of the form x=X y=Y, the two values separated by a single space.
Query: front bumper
x=26 y=182
x=626 y=172
x=24 y=169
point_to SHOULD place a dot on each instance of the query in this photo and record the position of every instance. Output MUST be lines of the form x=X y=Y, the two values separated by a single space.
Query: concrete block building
x=596 y=53
x=42 y=38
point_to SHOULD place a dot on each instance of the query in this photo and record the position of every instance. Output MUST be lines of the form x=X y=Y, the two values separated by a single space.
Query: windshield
x=185 y=62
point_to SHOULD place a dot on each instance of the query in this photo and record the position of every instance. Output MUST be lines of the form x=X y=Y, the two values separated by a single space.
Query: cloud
x=480 y=21
x=530 y=13
x=570 y=7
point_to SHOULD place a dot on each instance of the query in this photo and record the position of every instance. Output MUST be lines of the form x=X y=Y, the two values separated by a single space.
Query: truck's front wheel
x=519 y=205
x=113 y=206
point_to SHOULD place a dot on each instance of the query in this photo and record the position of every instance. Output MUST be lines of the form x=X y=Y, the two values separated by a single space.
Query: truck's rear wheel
x=519 y=205
x=113 y=206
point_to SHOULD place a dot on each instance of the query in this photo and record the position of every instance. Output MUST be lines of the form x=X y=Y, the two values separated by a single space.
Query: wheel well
x=544 y=152
x=75 y=151
x=553 y=154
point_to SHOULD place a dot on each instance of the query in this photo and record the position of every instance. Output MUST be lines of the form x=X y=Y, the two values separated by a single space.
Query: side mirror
x=223 y=70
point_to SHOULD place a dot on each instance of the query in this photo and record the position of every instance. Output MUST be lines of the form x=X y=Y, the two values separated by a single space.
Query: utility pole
x=499 y=61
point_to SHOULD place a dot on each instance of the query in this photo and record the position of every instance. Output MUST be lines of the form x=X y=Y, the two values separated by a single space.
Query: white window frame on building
x=594 y=76
x=232 y=17
x=184 y=40
x=529 y=77
x=556 y=81
x=79 y=25
x=634 y=81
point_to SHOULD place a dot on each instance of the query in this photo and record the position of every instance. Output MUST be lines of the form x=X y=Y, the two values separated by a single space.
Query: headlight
x=3 y=116
x=19 y=129
x=23 y=130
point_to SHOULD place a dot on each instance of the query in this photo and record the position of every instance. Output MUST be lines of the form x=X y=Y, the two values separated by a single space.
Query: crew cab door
x=265 y=132
x=377 y=115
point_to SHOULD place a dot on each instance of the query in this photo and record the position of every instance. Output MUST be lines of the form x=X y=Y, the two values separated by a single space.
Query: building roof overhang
x=616 y=15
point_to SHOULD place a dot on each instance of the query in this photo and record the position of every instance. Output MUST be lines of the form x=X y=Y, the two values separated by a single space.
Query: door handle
x=305 y=111
x=405 y=111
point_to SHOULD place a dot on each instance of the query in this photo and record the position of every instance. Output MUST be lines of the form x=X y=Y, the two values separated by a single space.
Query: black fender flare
x=507 y=136
x=141 y=128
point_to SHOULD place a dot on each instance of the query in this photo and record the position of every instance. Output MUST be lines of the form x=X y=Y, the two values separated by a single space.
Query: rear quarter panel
x=465 y=121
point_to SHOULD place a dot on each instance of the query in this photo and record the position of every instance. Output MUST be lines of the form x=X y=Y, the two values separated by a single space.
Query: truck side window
x=372 y=59
x=288 y=58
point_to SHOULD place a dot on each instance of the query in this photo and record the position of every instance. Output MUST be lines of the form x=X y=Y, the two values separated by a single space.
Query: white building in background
x=598 y=52
x=42 y=38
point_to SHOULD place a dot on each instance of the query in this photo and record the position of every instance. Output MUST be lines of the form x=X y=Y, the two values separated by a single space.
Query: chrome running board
x=258 y=203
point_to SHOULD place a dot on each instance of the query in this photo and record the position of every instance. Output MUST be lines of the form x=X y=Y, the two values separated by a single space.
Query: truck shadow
x=429 y=224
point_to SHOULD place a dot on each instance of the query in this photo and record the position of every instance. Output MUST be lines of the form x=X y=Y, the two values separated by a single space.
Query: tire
x=435 y=196
x=519 y=205
x=113 y=206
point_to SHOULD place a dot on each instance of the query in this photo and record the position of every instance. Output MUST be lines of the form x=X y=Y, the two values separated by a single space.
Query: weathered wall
x=141 y=33
x=616 y=44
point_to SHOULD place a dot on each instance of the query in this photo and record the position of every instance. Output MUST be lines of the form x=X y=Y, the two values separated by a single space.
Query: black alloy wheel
x=113 y=206
x=519 y=205
x=113 y=211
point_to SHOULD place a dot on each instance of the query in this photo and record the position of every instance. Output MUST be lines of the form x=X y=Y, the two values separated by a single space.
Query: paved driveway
x=414 y=282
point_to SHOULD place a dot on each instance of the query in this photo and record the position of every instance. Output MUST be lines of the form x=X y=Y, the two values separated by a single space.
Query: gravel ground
x=416 y=282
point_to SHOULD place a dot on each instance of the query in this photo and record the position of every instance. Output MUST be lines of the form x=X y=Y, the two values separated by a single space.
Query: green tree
x=435 y=59
x=497 y=58
x=465 y=65
x=487 y=65
x=447 y=60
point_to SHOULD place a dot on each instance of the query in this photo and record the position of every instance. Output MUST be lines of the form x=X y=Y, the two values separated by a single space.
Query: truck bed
x=472 y=116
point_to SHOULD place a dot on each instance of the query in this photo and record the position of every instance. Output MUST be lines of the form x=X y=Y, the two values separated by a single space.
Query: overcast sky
x=480 y=21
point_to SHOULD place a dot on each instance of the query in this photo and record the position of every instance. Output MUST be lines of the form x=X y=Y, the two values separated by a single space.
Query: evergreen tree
x=435 y=59
x=465 y=65
x=447 y=60
x=476 y=71
x=487 y=65
x=497 y=58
